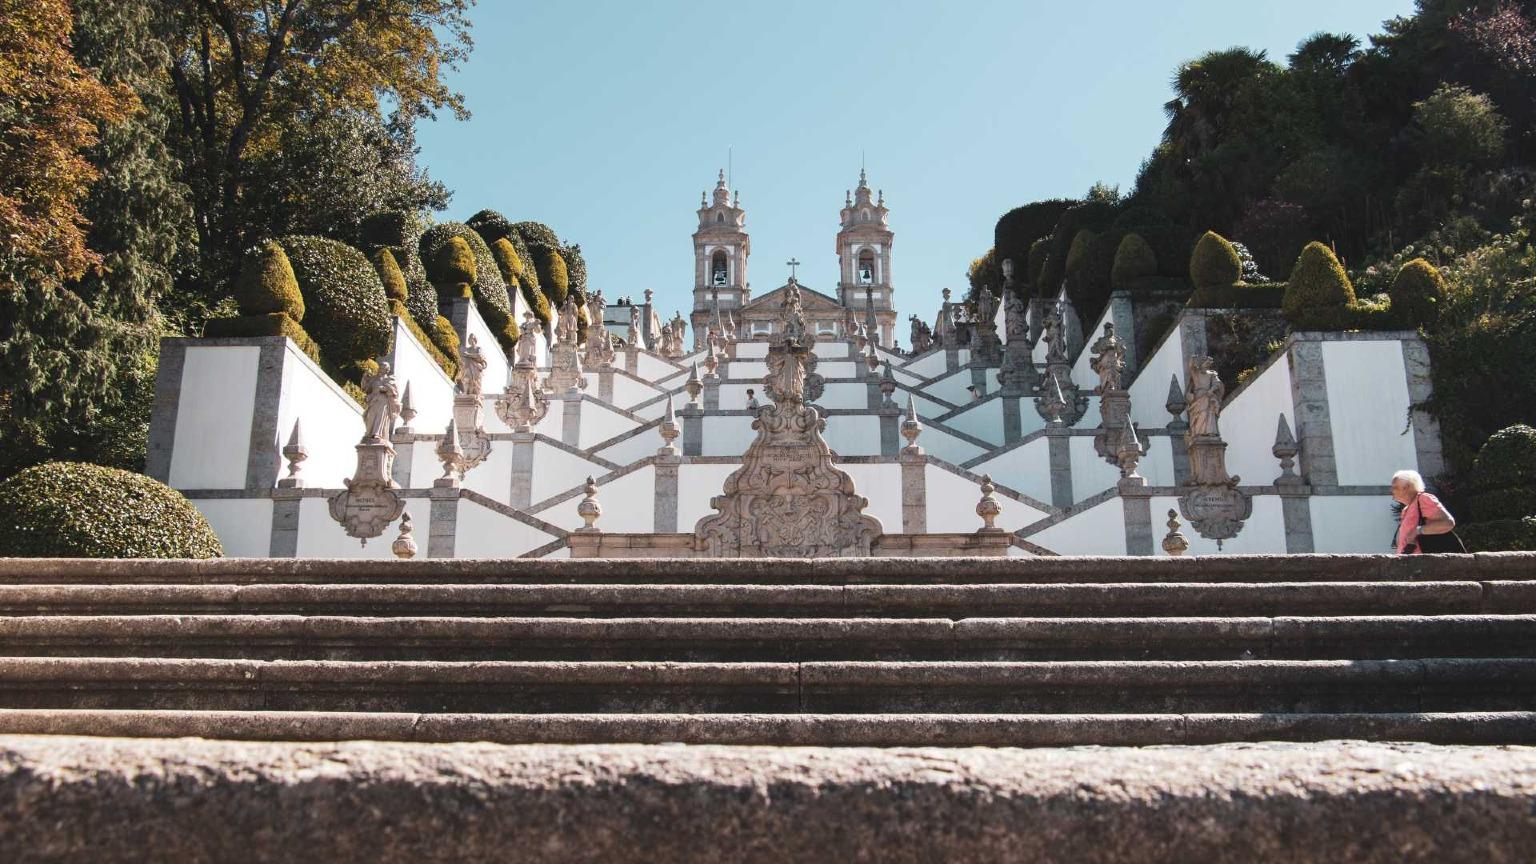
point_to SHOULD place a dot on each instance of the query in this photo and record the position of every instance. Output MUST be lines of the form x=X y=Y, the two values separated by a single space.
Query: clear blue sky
x=606 y=119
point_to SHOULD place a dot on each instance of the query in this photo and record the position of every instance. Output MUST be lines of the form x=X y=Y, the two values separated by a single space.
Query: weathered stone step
x=770 y=639
x=1497 y=566
x=1436 y=684
x=615 y=601
x=825 y=730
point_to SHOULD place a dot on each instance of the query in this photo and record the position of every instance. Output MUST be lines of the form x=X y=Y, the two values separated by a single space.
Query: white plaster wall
x=1149 y=392
x=881 y=484
x=927 y=366
x=733 y=397
x=213 y=417
x=491 y=478
x=627 y=391
x=628 y=502
x=1029 y=418
x=431 y=389
x=332 y=422
x=751 y=349
x=946 y=446
x=1090 y=473
x=496 y=362
x=555 y=471
x=1157 y=464
x=835 y=369
x=696 y=484
x=1249 y=421
x=1082 y=373
x=1026 y=468
x=840 y=395
x=244 y=525
x=1262 y=534
x=650 y=367
x=750 y=369
x=831 y=350
x=633 y=448
x=320 y=536
x=952 y=388
x=485 y=533
x=853 y=435
x=600 y=423
x=952 y=501
x=1368 y=406
x=727 y=436
x=1352 y=523
x=654 y=411
x=983 y=420
x=1099 y=530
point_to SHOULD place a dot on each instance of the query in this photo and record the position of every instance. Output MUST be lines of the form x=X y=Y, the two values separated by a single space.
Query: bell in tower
x=720 y=251
x=864 y=258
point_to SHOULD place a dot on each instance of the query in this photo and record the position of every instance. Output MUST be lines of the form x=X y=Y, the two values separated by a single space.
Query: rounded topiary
x=488 y=288
x=392 y=277
x=536 y=234
x=1077 y=255
x=1503 y=477
x=1319 y=290
x=1215 y=262
x=575 y=267
x=267 y=286
x=453 y=266
x=1418 y=292
x=553 y=279
x=1038 y=252
x=1134 y=261
x=348 y=314
x=517 y=272
x=78 y=510
x=490 y=225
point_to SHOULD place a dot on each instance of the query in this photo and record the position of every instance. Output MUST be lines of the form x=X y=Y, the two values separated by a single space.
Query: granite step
x=1392 y=686
x=824 y=601
x=769 y=639
x=1496 y=566
x=824 y=730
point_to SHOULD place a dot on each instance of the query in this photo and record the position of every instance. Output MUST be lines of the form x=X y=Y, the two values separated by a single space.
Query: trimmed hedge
x=452 y=269
x=348 y=314
x=1038 y=252
x=1095 y=215
x=554 y=281
x=1503 y=493
x=1018 y=230
x=77 y=510
x=266 y=284
x=273 y=324
x=576 y=269
x=516 y=272
x=536 y=234
x=488 y=288
x=1214 y=263
x=1417 y=293
x=1268 y=295
x=389 y=228
x=391 y=275
x=490 y=225
x=1134 y=261
x=399 y=294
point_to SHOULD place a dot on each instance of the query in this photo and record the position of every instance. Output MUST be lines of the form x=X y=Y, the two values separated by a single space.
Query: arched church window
x=720 y=218
x=863 y=215
x=719 y=269
x=866 y=267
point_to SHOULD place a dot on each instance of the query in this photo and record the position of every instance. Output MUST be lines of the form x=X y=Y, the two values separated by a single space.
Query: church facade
x=863 y=296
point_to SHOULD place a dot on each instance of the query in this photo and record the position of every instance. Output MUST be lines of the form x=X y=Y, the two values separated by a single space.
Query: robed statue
x=472 y=365
x=1203 y=392
x=381 y=405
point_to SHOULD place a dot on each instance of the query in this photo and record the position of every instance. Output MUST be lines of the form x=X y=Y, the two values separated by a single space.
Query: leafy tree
x=1460 y=127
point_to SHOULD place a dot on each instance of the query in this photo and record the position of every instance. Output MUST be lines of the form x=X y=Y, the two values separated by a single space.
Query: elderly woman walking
x=1426 y=526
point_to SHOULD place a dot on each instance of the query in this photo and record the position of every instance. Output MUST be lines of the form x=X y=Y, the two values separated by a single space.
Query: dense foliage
x=438 y=250
x=346 y=310
x=76 y=510
x=1503 y=492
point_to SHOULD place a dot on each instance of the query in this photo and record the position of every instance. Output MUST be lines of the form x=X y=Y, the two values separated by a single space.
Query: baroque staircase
x=935 y=652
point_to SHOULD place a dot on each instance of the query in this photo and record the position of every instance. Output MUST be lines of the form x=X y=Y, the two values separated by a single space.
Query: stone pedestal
x=371 y=500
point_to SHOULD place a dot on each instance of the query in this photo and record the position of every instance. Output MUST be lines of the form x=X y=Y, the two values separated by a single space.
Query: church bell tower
x=864 y=258
x=720 y=250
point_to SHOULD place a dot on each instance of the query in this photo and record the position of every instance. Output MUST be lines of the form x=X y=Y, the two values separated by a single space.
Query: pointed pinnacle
x=295 y=439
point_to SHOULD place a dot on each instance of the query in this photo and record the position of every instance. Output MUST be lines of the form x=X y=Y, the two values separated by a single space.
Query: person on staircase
x=1426 y=527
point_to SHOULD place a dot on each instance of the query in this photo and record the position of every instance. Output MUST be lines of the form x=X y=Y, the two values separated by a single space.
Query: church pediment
x=811 y=301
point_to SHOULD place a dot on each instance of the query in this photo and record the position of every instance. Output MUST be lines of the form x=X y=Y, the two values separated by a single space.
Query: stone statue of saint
x=381 y=405
x=794 y=316
x=986 y=307
x=565 y=331
x=633 y=336
x=1203 y=393
x=1110 y=361
x=1015 y=320
x=528 y=342
x=597 y=307
x=1055 y=340
x=472 y=365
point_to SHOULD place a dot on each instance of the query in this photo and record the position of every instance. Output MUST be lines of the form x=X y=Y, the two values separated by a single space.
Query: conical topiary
x=553 y=280
x=1417 y=293
x=1215 y=263
x=517 y=273
x=392 y=277
x=1134 y=260
x=1319 y=294
x=267 y=286
x=453 y=267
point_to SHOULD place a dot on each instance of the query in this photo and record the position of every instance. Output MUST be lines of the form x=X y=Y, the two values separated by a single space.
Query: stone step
x=1497 y=566
x=1436 y=684
x=769 y=639
x=829 y=730
x=623 y=601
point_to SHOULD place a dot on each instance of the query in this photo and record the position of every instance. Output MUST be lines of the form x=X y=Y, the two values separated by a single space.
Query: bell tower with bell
x=864 y=258
x=720 y=250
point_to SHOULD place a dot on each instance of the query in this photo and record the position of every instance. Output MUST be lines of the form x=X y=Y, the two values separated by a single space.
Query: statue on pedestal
x=472 y=365
x=381 y=405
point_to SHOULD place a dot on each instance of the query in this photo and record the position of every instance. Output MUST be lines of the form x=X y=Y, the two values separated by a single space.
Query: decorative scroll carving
x=787 y=499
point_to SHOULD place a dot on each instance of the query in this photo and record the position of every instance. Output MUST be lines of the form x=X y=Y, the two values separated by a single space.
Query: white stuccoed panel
x=485 y=533
x=927 y=366
x=881 y=484
x=244 y=525
x=1368 y=406
x=496 y=362
x=1352 y=523
x=629 y=505
x=491 y=478
x=1249 y=421
x=320 y=536
x=1082 y=373
x=727 y=436
x=555 y=471
x=945 y=446
x=600 y=423
x=1099 y=530
x=952 y=388
x=332 y=422
x=753 y=370
x=745 y=350
x=853 y=435
x=431 y=389
x=1149 y=392
x=1090 y=473
x=982 y=420
x=1263 y=533
x=1026 y=468
x=213 y=418
x=649 y=367
x=627 y=391
x=840 y=395
x=634 y=447
x=696 y=484
x=1157 y=463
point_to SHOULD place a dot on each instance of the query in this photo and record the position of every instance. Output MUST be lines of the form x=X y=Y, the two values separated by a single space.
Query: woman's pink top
x=1424 y=503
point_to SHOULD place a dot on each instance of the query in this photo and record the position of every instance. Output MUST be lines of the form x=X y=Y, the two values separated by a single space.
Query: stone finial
x=911 y=427
x=669 y=431
x=1176 y=403
x=1286 y=450
x=404 y=545
x=407 y=410
x=1175 y=543
x=589 y=509
x=1129 y=457
x=872 y=359
x=451 y=453
x=295 y=452
x=988 y=508
x=693 y=385
x=887 y=387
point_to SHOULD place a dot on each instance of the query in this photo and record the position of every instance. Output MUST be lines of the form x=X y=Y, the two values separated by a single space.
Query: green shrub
x=1134 y=261
x=1038 y=252
x=1077 y=253
x=391 y=275
x=576 y=269
x=1214 y=263
x=1500 y=535
x=78 y=510
x=488 y=288
x=1018 y=230
x=516 y=272
x=399 y=295
x=266 y=284
x=389 y=228
x=1503 y=476
x=490 y=225
x=348 y=314
x=272 y=324
x=1418 y=293
x=1319 y=295
x=1270 y=295
x=452 y=269
x=536 y=234
x=553 y=280
x=1094 y=215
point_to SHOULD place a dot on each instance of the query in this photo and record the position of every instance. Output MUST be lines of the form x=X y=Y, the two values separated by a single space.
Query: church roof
x=809 y=299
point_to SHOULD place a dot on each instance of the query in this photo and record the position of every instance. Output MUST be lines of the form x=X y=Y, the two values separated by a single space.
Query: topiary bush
x=78 y=510
x=488 y=288
x=1020 y=229
x=490 y=225
x=553 y=279
x=517 y=272
x=1134 y=262
x=452 y=269
x=1319 y=295
x=266 y=284
x=1214 y=263
x=391 y=275
x=1417 y=293
x=536 y=234
x=1038 y=252
x=348 y=314
x=1094 y=215
x=397 y=292
x=576 y=269
x=1503 y=493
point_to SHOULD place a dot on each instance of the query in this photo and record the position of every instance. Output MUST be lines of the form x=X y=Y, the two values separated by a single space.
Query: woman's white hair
x=1412 y=478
